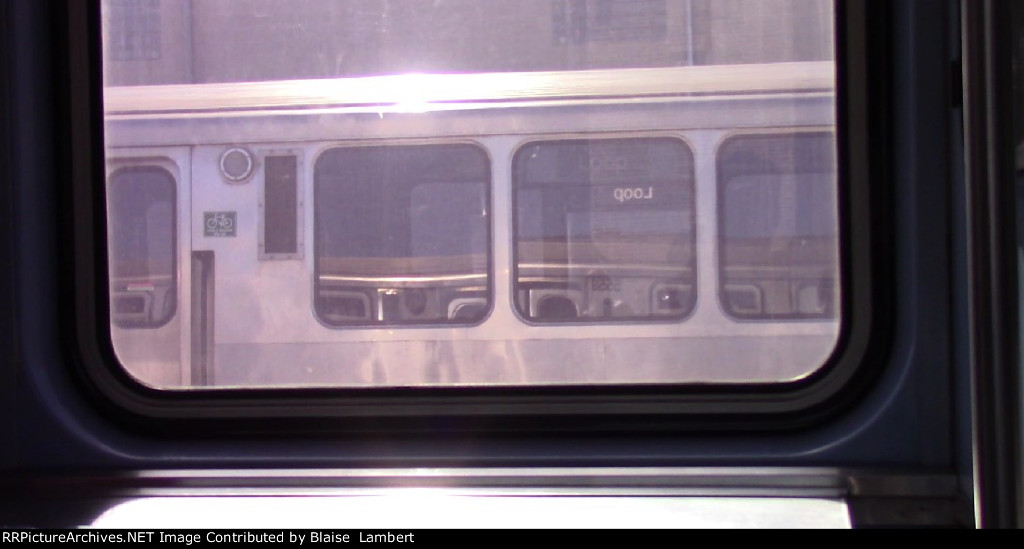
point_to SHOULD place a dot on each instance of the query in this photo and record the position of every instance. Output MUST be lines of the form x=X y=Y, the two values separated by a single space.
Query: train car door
x=246 y=245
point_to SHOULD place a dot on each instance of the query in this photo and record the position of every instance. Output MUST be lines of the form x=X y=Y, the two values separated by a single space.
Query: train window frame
x=800 y=403
x=899 y=453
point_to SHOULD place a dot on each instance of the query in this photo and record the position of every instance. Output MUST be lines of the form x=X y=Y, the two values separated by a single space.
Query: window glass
x=207 y=41
x=604 y=230
x=452 y=193
x=142 y=246
x=777 y=226
x=401 y=235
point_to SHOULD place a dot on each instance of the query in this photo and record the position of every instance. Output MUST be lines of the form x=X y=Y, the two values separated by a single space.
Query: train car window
x=604 y=230
x=778 y=229
x=142 y=247
x=647 y=252
x=402 y=235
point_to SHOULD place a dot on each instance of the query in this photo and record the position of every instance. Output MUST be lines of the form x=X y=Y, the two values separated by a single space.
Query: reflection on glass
x=777 y=226
x=208 y=41
x=604 y=230
x=142 y=246
x=401 y=235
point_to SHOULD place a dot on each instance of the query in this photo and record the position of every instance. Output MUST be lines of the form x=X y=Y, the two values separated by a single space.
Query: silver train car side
x=632 y=226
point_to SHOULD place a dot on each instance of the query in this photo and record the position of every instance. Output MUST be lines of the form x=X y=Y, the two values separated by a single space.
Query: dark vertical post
x=992 y=260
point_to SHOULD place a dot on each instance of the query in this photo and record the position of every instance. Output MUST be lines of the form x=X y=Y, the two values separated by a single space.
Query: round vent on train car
x=236 y=165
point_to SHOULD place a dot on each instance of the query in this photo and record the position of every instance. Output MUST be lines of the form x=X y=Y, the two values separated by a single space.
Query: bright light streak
x=416 y=509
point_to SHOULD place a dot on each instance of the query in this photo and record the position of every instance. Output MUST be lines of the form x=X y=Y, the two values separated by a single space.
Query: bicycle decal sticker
x=219 y=223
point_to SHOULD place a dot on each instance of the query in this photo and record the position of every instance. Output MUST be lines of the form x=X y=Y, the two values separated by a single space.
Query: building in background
x=204 y=41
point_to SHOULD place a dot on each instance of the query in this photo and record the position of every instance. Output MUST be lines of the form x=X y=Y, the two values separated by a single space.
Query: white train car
x=630 y=226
